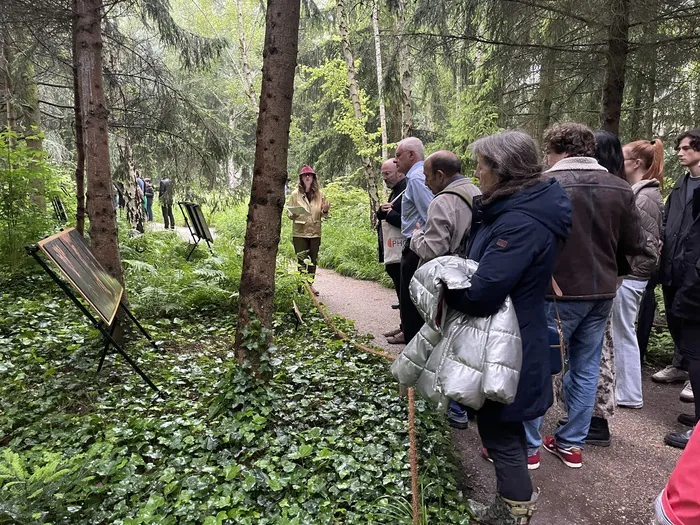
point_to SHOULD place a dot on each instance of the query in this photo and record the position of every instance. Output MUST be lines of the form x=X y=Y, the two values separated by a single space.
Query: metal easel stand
x=106 y=331
x=192 y=233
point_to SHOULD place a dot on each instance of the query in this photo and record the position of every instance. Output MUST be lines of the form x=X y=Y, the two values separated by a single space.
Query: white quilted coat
x=455 y=356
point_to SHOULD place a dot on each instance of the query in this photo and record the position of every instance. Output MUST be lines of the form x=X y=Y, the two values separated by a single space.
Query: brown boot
x=507 y=512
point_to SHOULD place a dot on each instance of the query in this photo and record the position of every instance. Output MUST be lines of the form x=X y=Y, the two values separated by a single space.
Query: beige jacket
x=307 y=224
x=449 y=219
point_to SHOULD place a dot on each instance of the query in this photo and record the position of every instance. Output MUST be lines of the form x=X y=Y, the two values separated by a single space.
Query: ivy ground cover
x=324 y=441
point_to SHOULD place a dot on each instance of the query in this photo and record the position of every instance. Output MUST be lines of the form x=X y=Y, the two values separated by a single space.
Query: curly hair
x=570 y=137
x=693 y=135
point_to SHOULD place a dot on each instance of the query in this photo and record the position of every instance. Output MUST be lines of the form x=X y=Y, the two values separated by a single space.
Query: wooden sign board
x=78 y=265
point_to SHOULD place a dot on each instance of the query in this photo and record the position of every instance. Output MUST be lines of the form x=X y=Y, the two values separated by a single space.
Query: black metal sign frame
x=105 y=328
x=197 y=225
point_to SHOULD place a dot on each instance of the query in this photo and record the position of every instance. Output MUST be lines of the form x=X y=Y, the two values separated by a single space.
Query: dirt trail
x=616 y=485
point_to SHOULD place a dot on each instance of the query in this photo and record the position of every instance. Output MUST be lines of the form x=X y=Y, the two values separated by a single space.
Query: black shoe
x=598 y=432
x=461 y=425
x=395 y=306
x=688 y=420
x=678 y=439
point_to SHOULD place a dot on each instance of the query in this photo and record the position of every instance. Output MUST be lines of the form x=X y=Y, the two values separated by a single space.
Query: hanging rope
x=412 y=441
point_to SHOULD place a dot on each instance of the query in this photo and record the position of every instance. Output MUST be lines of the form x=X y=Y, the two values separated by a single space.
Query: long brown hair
x=651 y=153
x=315 y=192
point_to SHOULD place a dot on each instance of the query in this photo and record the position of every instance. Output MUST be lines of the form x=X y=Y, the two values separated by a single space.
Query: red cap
x=307 y=169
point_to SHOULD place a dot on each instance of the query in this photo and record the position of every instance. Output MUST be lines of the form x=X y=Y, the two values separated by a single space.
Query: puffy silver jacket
x=455 y=356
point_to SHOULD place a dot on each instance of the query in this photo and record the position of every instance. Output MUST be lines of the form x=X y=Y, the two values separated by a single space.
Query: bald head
x=440 y=170
x=444 y=161
x=391 y=173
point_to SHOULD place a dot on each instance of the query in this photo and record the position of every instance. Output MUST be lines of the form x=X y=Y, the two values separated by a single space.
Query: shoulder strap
x=461 y=192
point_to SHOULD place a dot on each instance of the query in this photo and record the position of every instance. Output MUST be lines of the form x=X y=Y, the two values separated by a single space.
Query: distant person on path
x=679 y=274
x=165 y=195
x=644 y=165
x=414 y=209
x=391 y=212
x=306 y=207
x=519 y=222
x=605 y=231
x=447 y=227
x=149 y=193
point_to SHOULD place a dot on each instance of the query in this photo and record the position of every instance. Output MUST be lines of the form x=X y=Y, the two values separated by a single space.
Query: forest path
x=617 y=485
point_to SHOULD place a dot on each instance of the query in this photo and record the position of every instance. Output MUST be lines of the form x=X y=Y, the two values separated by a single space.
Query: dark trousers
x=168 y=217
x=645 y=321
x=307 y=248
x=507 y=447
x=394 y=271
x=411 y=320
x=686 y=336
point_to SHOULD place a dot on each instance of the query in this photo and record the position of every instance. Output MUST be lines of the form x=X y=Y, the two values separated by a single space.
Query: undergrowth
x=325 y=441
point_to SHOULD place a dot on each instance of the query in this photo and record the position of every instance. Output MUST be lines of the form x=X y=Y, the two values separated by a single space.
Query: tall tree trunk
x=354 y=89
x=133 y=202
x=257 y=289
x=79 y=136
x=380 y=77
x=545 y=90
x=618 y=49
x=243 y=48
x=637 y=110
x=405 y=73
x=100 y=202
x=6 y=61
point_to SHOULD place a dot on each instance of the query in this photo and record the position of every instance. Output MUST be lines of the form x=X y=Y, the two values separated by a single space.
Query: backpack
x=461 y=192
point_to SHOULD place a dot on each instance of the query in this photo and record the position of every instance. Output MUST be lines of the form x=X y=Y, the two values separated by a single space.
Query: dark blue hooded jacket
x=514 y=239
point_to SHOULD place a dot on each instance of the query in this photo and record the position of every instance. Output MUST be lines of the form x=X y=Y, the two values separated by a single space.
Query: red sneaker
x=571 y=456
x=533 y=462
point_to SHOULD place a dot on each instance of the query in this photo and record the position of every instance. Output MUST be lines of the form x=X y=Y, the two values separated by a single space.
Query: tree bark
x=257 y=289
x=243 y=48
x=6 y=60
x=545 y=90
x=618 y=49
x=134 y=204
x=354 y=90
x=79 y=137
x=405 y=73
x=380 y=77
x=100 y=202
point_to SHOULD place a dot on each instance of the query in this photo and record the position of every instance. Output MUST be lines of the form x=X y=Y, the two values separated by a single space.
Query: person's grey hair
x=514 y=159
x=415 y=145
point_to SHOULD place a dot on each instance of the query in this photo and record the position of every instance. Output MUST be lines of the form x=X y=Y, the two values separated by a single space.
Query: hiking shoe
x=571 y=456
x=533 y=459
x=688 y=420
x=670 y=374
x=459 y=425
x=504 y=511
x=395 y=306
x=598 y=432
x=392 y=333
x=687 y=393
x=678 y=439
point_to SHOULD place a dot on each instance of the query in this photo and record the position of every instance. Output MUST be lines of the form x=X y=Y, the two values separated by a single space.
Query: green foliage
x=348 y=243
x=27 y=182
x=324 y=441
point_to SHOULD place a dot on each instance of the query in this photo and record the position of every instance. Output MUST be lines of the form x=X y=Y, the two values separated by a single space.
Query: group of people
x=575 y=244
x=145 y=193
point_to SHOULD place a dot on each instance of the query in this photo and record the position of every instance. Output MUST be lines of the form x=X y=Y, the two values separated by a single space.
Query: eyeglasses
x=308 y=175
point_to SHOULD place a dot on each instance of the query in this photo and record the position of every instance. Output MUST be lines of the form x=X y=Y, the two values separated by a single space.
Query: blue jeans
x=583 y=324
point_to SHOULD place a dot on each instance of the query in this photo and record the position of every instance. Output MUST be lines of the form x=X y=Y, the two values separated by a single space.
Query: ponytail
x=651 y=153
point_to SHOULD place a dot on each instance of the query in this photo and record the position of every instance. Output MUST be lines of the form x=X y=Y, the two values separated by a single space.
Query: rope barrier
x=412 y=441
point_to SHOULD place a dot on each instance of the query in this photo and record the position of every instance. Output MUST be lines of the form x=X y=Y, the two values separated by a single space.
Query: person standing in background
x=306 y=207
x=149 y=193
x=165 y=195
x=391 y=212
